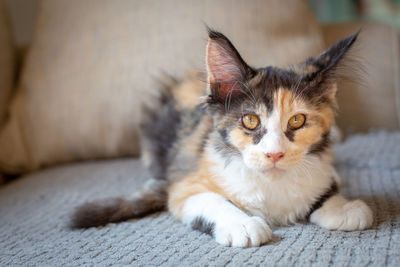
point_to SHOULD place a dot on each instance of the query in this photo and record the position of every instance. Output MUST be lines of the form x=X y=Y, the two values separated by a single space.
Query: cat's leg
x=338 y=213
x=213 y=214
x=229 y=225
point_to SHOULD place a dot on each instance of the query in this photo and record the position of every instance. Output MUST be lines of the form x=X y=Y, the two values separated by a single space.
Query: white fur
x=274 y=140
x=232 y=226
x=279 y=200
x=335 y=134
x=340 y=214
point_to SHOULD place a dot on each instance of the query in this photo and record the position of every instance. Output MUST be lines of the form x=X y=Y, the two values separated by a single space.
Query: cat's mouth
x=274 y=170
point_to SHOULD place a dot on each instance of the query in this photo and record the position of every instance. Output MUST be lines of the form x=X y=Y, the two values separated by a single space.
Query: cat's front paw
x=349 y=216
x=249 y=232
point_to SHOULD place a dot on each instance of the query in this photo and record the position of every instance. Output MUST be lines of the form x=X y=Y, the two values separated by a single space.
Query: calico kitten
x=255 y=152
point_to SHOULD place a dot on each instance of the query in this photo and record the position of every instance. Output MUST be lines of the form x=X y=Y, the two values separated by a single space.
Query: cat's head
x=271 y=117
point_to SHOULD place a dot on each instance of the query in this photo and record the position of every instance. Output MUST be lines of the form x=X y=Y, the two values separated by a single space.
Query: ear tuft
x=321 y=72
x=215 y=35
x=331 y=57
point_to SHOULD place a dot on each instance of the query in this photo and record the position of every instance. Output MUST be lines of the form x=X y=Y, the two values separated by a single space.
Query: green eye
x=296 y=121
x=250 y=121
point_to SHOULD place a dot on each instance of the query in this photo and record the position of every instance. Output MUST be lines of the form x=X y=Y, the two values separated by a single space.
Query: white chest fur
x=279 y=200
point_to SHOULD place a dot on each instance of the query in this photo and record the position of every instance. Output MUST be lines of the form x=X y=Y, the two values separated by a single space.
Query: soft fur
x=220 y=177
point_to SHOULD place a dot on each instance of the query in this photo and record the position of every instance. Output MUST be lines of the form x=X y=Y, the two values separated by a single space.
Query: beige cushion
x=374 y=100
x=7 y=64
x=93 y=62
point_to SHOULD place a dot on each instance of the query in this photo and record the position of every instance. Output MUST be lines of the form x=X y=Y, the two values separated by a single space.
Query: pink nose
x=274 y=157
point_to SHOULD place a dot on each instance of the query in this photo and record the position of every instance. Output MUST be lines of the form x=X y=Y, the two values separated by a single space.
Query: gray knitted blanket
x=35 y=210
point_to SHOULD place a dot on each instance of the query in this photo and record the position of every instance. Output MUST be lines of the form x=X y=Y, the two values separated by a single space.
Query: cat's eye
x=250 y=121
x=296 y=121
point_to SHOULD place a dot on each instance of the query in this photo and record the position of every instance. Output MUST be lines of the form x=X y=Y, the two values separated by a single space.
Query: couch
x=59 y=150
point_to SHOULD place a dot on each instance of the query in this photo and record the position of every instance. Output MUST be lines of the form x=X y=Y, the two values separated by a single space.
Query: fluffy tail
x=150 y=199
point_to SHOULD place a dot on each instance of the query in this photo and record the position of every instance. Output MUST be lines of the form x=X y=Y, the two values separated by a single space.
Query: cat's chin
x=274 y=171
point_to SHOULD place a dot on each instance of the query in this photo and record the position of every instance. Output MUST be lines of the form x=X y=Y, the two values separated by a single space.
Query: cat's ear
x=322 y=71
x=226 y=69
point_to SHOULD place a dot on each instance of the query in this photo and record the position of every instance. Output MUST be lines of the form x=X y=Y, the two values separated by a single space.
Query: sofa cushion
x=92 y=63
x=371 y=99
x=7 y=66
x=7 y=62
x=36 y=209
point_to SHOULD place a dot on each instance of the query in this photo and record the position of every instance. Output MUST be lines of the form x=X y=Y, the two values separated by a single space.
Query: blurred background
x=22 y=13
x=331 y=11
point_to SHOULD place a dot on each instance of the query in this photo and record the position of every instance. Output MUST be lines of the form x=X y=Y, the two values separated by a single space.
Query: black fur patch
x=290 y=134
x=100 y=213
x=333 y=190
x=321 y=146
x=197 y=114
x=258 y=135
x=200 y=224
x=160 y=126
x=223 y=134
x=112 y=210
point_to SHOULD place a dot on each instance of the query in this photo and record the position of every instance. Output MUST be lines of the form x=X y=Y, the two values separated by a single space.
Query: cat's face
x=271 y=118
x=274 y=132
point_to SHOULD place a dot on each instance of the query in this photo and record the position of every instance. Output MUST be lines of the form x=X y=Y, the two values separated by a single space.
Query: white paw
x=353 y=215
x=250 y=232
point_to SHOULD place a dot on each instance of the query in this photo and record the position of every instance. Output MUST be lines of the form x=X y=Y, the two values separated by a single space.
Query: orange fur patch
x=202 y=181
x=319 y=120
x=283 y=101
x=327 y=118
x=195 y=183
x=239 y=138
x=189 y=92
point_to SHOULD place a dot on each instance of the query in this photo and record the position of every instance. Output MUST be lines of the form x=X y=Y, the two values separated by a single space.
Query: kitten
x=254 y=153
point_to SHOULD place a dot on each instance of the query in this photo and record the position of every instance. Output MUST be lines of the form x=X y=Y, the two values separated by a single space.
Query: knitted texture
x=35 y=212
